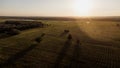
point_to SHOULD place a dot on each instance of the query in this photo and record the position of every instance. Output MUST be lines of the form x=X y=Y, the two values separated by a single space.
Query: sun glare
x=82 y=7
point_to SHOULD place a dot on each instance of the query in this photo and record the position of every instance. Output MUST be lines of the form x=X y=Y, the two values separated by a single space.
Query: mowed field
x=98 y=46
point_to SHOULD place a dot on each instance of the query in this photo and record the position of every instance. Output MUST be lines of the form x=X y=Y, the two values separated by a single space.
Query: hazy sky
x=58 y=7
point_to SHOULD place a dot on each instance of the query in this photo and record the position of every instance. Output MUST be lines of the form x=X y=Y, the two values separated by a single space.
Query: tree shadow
x=62 y=53
x=74 y=62
x=19 y=55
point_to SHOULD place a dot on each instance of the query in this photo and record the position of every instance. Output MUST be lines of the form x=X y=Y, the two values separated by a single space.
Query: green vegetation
x=95 y=45
x=12 y=27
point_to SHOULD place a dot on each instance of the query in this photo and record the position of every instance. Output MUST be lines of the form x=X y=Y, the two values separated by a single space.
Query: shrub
x=13 y=27
x=69 y=37
x=66 y=31
x=13 y=32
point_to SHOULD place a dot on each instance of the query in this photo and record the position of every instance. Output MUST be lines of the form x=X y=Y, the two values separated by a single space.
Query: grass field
x=98 y=48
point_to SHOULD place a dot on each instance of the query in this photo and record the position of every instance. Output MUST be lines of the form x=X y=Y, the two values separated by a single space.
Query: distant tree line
x=14 y=27
x=112 y=18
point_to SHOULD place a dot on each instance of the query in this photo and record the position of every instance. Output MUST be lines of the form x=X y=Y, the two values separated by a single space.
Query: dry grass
x=98 y=48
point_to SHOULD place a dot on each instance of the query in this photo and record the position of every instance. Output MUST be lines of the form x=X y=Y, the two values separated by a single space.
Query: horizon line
x=59 y=16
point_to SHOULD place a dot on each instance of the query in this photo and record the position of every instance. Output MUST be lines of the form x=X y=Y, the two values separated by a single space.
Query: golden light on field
x=82 y=7
x=87 y=22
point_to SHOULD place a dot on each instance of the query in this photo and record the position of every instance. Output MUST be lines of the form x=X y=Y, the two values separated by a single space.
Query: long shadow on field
x=75 y=63
x=62 y=53
x=17 y=56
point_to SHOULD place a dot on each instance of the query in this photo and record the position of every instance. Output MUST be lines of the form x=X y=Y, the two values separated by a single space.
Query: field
x=93 y=44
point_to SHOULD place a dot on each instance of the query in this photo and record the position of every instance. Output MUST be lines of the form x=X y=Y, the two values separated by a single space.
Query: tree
x=69 y=37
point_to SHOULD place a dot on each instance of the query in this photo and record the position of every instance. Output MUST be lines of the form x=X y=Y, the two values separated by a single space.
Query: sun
x=82 y=7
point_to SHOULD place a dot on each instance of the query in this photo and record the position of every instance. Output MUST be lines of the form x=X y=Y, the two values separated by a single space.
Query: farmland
x=94 y=44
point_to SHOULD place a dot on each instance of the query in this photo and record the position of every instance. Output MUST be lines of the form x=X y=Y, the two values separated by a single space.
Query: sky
x=59 y=8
